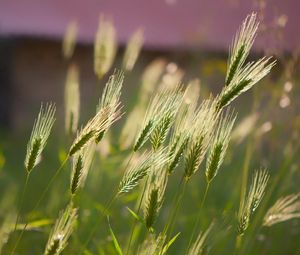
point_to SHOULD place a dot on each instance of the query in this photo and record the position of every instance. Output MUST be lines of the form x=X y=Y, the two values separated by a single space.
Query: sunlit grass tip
x=72 y=100
x=99 y=123
x=69 y=40
x=199 y=246
x=251 y=201
x=133 y=49
x=61 y=232
x=245 y=79
x=149 y=80
x=160 y=114
x=241 y=46
x=285 y=208
x=219 y=144
x=154 y=195
x=111 y=96
x=204 y=121
x=39 y=135
x=105 y=47
x=81 y=164
x=140 y=169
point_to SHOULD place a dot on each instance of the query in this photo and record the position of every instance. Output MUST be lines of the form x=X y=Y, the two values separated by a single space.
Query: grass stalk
x=246 y=166
x=178 y=199
x=279 y=177
x=198 y=217
x=238 y=242
x=106 y=209
x=22 y=200
x=39 y=201
x=134 y=220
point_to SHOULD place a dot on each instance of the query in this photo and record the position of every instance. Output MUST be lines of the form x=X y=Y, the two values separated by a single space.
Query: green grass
x=172 y=209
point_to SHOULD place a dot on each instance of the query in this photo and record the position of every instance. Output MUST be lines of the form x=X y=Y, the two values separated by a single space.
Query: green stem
x=198 y=218
x=175 y=198
x=134 y=220
x=246 y=166
x=238 y=242
x=39 y=201
x=280 y=176
x=170 y=227
x=106 y=209
x=21 y=200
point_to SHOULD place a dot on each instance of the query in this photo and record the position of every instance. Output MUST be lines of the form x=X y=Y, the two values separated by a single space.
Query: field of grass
x=112 y=184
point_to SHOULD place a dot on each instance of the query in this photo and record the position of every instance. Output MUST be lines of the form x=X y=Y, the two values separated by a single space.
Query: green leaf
x=138 y=218
x=167 y=246
x=115 y=241
x=35 y=224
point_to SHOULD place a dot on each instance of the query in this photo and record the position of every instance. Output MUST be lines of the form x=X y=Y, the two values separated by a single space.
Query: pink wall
x=167 y=23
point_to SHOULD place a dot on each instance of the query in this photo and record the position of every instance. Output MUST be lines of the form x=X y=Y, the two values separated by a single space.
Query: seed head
x=39 y=135
x=284 y=209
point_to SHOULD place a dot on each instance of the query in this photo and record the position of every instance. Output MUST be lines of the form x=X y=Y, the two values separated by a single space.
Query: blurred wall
x=167 y=23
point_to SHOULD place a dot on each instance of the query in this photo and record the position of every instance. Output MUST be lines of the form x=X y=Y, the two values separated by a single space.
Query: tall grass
x=166 y=139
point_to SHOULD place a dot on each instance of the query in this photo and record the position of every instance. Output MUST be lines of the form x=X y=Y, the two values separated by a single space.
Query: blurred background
x=31 y=32
x=192 y=38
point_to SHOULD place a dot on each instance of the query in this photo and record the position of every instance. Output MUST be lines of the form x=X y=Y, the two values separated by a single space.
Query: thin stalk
x=238 y=242
x=21 y=200
x=246 y=166
x=282 y=172
x=134 y=220
x=170 y=227
x=198 y=218
x=106 y=209
x=249 y=150
x=205 y=194
x=138 y=210
x=39 y=201
x=176 y=197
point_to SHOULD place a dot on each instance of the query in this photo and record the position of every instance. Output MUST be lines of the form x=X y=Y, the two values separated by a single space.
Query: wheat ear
x=105 y=47
x=72 y=100
x=39 y=135
x=61 y=232
x=133 y=49
x=284 y=209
